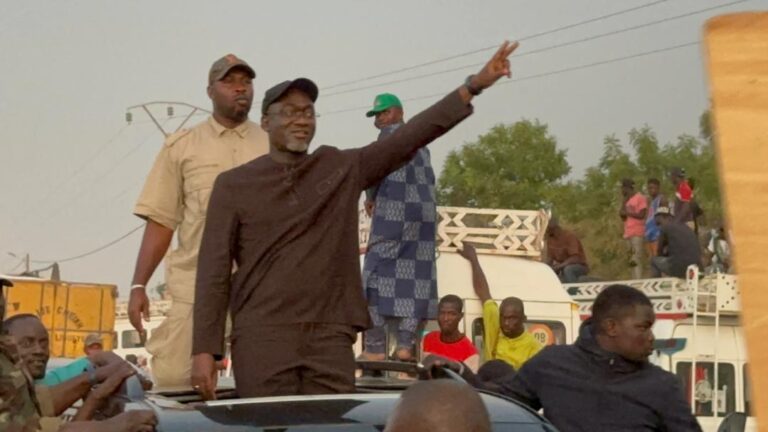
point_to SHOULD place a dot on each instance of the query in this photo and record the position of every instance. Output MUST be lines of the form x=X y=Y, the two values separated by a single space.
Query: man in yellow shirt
x=504 y=335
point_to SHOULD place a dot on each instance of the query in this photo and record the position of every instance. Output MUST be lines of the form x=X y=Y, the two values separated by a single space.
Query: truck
x=70 y=311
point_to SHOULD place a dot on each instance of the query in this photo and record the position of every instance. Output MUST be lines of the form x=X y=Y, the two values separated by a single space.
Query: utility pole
x=24 y=259
x=170 y=110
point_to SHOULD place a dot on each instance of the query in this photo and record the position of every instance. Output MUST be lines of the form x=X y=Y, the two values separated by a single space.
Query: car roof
x=348 y=412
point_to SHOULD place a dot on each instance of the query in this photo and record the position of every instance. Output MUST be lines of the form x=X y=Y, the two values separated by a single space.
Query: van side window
x=747 y=391
x=547 y=332
x=703 y=391
x=477 y=337
x=131 y=339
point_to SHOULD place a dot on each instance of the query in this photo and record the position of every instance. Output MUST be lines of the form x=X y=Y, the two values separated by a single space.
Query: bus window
x=547 y=332
x=703 y=392
x=477 y=336
x=131 y=339
x=747 y=392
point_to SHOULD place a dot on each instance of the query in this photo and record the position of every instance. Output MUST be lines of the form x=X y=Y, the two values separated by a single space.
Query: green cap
x=383 y=102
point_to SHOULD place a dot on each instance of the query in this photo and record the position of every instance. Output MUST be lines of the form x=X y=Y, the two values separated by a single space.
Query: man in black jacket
x=604 y=381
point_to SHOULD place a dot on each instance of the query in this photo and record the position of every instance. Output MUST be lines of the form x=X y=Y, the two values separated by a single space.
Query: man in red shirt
x=682 y=210
x=449 y=342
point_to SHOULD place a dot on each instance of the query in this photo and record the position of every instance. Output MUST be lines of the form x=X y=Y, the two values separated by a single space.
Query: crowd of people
x=661 y=234
x=267 y=259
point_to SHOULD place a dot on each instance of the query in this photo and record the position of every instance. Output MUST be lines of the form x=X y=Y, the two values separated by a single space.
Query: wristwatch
x=474 y=91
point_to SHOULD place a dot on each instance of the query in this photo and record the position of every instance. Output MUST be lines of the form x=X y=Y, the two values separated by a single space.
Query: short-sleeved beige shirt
x=177 y=189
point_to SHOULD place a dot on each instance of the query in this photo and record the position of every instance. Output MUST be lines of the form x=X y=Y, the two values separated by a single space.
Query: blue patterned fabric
x=399 y=272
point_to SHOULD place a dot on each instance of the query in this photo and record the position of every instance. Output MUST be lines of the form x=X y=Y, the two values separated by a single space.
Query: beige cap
x=93 y=338
x=222 y=66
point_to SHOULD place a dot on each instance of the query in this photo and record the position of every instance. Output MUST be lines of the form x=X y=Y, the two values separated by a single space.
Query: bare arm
x=473 y=362
x=131 y=421
x=98 y=396
x=65 y=395
x=573 y=259
x=154 y=245
x=479 y=282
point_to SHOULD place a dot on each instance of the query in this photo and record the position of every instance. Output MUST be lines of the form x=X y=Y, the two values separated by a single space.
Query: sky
x=72 y=167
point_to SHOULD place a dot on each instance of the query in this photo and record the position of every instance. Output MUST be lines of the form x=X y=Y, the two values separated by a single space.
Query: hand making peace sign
x=497 y=67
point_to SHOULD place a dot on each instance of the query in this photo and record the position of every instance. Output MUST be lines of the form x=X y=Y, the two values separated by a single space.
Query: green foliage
x=515 y=166
x=520 y=166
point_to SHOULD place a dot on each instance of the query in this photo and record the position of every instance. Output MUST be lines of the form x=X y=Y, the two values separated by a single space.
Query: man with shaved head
x=504 y=335
x=439 y=406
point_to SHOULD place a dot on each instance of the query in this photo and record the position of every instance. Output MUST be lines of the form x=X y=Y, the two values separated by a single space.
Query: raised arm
x=212 y=287
x=160 y=204
x=386 y=155
x=479 y=282
x=154 y=245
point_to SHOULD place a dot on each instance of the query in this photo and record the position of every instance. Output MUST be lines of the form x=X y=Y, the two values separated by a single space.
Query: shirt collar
x=241 y=130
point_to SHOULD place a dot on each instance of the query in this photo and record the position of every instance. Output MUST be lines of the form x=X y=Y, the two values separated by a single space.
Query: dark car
x=366 y=410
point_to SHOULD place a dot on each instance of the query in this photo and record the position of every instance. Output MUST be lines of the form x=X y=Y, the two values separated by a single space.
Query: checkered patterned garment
x=399 y=272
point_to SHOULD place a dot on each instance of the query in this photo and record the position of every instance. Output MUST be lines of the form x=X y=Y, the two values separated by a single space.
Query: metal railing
x=492 y=231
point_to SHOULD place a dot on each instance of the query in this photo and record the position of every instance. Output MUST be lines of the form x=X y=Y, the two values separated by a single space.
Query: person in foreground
x=439 y=406
x=604 y=381
x=288 y=220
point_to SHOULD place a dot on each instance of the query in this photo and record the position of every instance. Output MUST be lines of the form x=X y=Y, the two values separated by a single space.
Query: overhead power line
x=540 y=50
x=541 y=75
x=487 y=48
x=93 y=251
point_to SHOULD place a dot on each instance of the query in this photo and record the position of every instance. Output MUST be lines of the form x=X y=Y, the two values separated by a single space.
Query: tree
x=512 y=166
x=519 y=166
x=594 y=201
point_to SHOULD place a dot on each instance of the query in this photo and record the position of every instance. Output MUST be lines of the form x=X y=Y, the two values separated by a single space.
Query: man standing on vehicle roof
x=504 y=334
x=175 y=199
x=399 y=274
x=289 y=221
x=634 y=210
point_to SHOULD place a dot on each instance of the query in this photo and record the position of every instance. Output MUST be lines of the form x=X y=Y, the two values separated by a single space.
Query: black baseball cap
x=5 y=282
x=273 y=94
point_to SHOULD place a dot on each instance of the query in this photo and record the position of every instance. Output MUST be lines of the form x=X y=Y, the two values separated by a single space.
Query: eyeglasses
x=295 y=114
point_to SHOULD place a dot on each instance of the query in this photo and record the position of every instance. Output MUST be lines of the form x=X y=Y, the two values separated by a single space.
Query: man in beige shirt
x=175 y=198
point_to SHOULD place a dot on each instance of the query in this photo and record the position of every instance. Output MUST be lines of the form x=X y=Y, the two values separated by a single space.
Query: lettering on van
x=68 y=314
